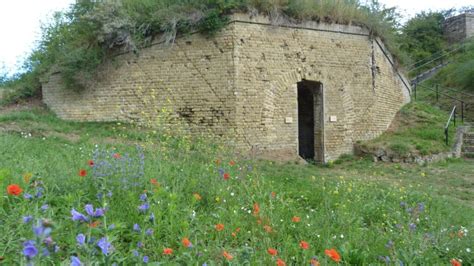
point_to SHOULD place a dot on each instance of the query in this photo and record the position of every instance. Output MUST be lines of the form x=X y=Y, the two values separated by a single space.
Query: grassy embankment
x=368 y=212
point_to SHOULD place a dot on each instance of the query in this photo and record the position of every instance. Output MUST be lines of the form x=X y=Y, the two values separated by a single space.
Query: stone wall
x=242 y=84
x=459 y=28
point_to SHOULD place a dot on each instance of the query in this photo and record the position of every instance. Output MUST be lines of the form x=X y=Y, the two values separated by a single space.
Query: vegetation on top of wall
x=77 y=41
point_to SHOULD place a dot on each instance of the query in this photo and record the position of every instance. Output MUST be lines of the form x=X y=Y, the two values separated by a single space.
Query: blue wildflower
x=77 y=216
x=45 y=252
x=44 y=207
x=27 y=219
x=75 y=261
x=421 y=207
x=144 y=207
x=136 y=228
x=412 y=226
x=28 y=196
x=29 y=249
x=48 y=241
x=105 y=246
x=81 y=239
x=145 y=259
x=143 y=197
x=149 y=232
x=135 y=253
x=152 y=217
x=94 y=213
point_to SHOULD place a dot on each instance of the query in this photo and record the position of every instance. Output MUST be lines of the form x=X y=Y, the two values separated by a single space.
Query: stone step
x=469 y=155
x=468 y=149
x=468 y=142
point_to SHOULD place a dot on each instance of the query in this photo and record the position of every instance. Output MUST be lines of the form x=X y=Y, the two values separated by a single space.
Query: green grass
x=418 y=129
x=353 y=205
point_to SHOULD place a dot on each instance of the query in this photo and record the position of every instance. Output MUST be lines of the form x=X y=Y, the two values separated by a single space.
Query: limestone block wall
x=459 y=27
x=242 y=84
x=362 y=91
x=192 y=78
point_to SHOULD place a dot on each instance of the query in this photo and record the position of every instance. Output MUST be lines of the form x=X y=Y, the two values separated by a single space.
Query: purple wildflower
x=385 y=259
x=45 y=252
x=403 y=204
x=136 y=228
x=139 y=245
x=27 y=219
x=56 y=249
x=28 y=196
x=221 y=171
x=29 y=249
x=39 y=192
x=41 y=231
x=149 y=232
x=48 y=241
x=412 y=226
x=135 y=253
x=105 y=246
x=421 y=207
x=145 y=259
x=144 y=207
x=81 y=239
x=77 y=216
x=75 y=261
x=44 y=207
x=143 y=197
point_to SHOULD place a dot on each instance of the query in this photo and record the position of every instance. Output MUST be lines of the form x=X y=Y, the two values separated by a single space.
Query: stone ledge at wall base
x=387 y=156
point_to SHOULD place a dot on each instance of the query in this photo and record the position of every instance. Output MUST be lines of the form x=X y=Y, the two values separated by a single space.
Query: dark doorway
x=310 y=123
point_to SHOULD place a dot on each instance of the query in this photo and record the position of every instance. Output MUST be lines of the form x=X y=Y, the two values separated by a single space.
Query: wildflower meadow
x=165 y=200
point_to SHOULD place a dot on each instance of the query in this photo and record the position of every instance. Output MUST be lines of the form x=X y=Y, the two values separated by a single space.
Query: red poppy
x=280 y=262
x=273 y=194
x=82 y=172
x=455 y=262
x=304 y=245
x=167 y=251
x=231 y=163
x=154 y=182
x=272 y=251
x=117 y=155
x=186 y=242
x=296 y=219
x=227 y=255
x=256 y=209
x=14 y=190
x=332 y=253
x=219 y=227
x=91 y=163
x=226 y=176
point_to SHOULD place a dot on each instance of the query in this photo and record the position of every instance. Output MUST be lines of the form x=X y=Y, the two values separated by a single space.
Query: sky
x=20 y=22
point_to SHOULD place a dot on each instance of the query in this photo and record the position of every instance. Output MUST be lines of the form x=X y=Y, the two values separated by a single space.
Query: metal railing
x=438 y=94
x=452 y=117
